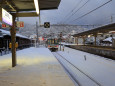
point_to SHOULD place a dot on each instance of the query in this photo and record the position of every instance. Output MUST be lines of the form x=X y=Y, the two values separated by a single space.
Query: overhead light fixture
x=36 y=6
x=100 y=33
x=89 y=36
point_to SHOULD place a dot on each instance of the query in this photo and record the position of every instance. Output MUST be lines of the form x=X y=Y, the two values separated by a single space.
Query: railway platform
x=35 y=67
x=108 y=52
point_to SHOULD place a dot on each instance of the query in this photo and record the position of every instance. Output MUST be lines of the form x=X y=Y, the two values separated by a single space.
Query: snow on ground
x=67 y=43
x=99 y=68
x=35 y=67
x=109 y=39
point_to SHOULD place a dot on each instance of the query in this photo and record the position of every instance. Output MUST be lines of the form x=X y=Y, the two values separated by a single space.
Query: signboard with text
x=19 y=24
x=6 y=17
x=5 y=26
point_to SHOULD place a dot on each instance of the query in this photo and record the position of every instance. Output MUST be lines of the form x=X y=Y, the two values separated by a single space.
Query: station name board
x=19 y=24
x=5 y=17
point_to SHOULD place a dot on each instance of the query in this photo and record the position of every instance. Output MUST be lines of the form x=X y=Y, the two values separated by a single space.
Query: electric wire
x=91 y=11
x=77 y=10
x=76 y=6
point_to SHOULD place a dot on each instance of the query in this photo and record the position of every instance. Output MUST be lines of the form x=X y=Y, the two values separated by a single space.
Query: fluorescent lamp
x=36 y=6
x=100 y=33
x=89 y=36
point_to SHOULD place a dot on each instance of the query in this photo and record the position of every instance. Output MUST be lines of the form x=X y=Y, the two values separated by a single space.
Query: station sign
x=5 y=26
x=6 y=17
x=41 y=38
x=19 y=24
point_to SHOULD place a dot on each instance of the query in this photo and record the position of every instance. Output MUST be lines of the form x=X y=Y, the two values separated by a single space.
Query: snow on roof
x=109 y=39
x=8 y=33
x=65 y=36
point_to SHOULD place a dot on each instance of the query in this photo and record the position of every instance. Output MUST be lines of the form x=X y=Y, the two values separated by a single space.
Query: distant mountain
x=55 y=29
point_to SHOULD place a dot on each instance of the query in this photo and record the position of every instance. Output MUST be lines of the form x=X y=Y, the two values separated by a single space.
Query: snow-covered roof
x=8 y=33
x=65 y=36
x=109 y=39
x=1 y=36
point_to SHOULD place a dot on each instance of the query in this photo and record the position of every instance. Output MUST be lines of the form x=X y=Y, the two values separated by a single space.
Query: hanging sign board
x=19 y=24
x=6 y=17
x=5 y=26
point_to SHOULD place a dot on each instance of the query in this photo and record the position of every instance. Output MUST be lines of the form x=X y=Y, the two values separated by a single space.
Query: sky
x=63 y=15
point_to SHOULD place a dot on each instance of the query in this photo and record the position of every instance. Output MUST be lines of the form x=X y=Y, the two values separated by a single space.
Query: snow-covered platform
x=35 y=67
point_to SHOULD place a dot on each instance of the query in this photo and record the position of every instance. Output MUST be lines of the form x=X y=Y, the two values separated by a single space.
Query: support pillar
x=77 y=40
x=83 y=40
x=13 y=41
x=36 y=34
x=60 y=44
x=74 y=40
x=95 y=39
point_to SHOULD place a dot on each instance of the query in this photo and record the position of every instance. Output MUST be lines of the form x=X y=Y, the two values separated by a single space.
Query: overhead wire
x=91 y=11
x=76 y=6
x=107 y=19
x=77 y=10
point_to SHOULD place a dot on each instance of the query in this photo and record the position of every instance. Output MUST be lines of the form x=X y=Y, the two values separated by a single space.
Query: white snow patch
x=8 y=33
x=100 y=68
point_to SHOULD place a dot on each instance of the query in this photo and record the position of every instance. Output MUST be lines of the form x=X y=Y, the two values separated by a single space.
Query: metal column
x=95 y=39
x=37 y=33
x=83 y=40
x=77 y=40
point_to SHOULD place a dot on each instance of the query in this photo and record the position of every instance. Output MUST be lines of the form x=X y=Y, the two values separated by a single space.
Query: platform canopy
x=102 y=29
x=19 y=6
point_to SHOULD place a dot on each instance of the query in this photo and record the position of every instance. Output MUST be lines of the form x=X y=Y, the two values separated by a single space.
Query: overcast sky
x=62 y=15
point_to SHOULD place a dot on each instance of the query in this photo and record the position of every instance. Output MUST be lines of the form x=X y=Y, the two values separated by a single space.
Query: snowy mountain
x=29 y=30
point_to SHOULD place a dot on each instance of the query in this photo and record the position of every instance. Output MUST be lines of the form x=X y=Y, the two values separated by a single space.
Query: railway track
x=57 y=55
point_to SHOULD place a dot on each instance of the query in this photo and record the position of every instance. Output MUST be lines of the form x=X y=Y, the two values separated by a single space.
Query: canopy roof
x=102 y=29
x=28 y=5
x=4 y=32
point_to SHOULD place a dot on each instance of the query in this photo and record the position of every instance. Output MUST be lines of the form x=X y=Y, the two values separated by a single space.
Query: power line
x=74 y=8
x=92 y=10
x=81 y=7
x=78 y=9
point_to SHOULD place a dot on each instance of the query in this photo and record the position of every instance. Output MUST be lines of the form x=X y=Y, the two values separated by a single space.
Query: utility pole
x=37 y=33
x=39 y=22
x=60 y=39
x=111 y=19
